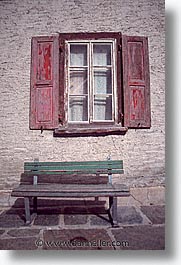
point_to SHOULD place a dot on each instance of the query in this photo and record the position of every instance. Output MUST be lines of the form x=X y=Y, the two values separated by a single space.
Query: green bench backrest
x=84 y=172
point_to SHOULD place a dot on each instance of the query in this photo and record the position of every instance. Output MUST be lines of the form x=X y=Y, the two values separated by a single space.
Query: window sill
x=72 y=131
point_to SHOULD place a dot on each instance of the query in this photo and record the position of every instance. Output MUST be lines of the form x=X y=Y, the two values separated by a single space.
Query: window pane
x=101 y=54
x=102 y=82
x=103 y=108
x=78 y=108
x=78 y=55
x=78 y=82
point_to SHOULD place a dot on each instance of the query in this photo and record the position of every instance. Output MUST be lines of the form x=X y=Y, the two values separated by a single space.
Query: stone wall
x=143 y=151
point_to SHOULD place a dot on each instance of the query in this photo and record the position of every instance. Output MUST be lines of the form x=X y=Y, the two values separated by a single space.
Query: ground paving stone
x=11 y=220
x=156 y=213
x=129 y=215
x=46 y=219
x=18 y=243
x=23 y=232
x=100 y=220
x=1 y=232
x=76 y=219
x=140 y=237
x=79 y=239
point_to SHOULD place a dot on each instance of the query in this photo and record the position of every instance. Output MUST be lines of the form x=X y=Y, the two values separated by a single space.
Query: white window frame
x=90 y=80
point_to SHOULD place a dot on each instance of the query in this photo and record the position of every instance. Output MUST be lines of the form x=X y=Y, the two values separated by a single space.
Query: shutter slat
x=136 y=82
x=44 y=82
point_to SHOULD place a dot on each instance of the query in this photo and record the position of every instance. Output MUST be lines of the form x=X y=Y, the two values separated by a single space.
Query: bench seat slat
x=65 y=187
x=55 y=190
x=70 y=194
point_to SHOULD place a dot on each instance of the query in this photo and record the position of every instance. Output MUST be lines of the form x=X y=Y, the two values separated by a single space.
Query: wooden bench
x=71 y=180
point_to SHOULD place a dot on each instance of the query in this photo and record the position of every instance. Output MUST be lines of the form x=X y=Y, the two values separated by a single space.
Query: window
x=89 y=83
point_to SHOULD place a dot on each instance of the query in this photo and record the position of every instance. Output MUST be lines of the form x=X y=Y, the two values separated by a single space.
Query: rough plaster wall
x=142 y=150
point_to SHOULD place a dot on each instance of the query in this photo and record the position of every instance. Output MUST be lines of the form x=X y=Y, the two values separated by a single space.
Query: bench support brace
x=35 y=204
x=27 y=210
x=113 y=210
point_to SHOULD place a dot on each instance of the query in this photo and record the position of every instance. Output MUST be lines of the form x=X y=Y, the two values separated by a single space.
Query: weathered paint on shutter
x=44 y=83
x=136 y=82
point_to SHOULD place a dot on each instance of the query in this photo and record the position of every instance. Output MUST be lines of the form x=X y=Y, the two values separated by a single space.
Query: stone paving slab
x=18 y=243
x=77 y=239
x=11 y=220
x=78 y=219
x=156 y=213
x=23 y=232
x=129 y=215
x=84 y=227
x=46 y=220
x=1 y=232
x=100 y=220
x=141 y=237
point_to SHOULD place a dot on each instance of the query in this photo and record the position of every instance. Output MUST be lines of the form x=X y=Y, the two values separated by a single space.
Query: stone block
x=1 y=232
x=100 y=220
x=77 y=219
x=140 y=237
x=18 y=243
x=77 y=239
x=4 y=198
x=23 y=232
x=11 y=220
x=149 y=195
x=155 y=213
x=46 y=220
x=129 y=215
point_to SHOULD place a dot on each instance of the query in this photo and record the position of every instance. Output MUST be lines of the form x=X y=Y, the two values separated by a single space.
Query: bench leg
x=27 y=210
x=113 y=210
x=35 y=204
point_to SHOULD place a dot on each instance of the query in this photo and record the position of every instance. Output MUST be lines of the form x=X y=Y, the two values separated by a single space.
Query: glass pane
x=103 y=108
x=101 y=54
x=102 y=82
x=78 y=55
x=78 y=82
x=78 y=109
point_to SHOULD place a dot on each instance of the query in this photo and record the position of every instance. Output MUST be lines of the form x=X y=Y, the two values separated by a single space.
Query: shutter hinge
x=41 y=129
x=119 y=47
x=121 y=117
x=60 y=119
x=61 y=48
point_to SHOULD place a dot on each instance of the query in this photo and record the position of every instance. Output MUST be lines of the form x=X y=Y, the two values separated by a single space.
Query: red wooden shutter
x=136 y=82
x=44 y=83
